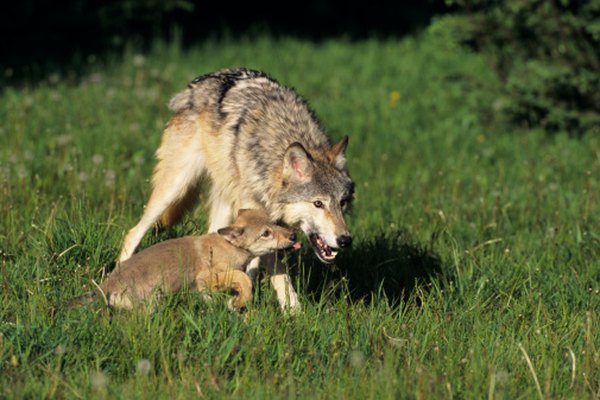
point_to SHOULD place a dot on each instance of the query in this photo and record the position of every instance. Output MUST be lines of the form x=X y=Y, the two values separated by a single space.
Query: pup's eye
x=266 y=234
x=318 y=204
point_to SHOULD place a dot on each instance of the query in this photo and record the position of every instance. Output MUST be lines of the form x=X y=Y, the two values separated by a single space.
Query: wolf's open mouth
x=323 y=251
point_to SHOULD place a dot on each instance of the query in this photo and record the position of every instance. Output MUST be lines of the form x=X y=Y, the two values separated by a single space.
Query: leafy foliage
x=546 y=52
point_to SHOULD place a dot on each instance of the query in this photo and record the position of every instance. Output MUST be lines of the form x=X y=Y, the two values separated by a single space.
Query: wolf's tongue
x=297 y=245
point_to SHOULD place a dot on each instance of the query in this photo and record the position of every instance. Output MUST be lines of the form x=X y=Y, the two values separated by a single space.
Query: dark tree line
x=61 y=28
x=547 y=52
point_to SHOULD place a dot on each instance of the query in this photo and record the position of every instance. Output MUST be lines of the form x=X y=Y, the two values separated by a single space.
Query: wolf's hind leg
x=175 y=186
x=220 y=213
x=177 y=209
x=165 y=200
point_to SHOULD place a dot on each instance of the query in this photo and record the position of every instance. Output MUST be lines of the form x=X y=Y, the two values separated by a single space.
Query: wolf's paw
x=293 y=308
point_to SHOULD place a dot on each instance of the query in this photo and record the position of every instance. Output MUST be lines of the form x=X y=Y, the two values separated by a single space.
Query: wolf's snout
x=292 y=237
x=344 y=240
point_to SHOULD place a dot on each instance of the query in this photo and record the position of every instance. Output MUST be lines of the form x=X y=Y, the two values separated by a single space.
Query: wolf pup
x=262 y=147
x=210 y=262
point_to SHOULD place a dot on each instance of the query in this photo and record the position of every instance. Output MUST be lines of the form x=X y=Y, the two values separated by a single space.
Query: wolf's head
x=253 y=231
x=316 y=191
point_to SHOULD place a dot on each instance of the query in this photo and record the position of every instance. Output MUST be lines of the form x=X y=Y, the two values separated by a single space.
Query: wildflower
x=64 y=139
x=54 y=78
x=394 y=98
x=97 y=159
x=138 y=60
x=143 y=367
x=357 y=358
x=22 y=172
x=60 y=350
x=96 y=77
x=99 y=380
x=109 y=178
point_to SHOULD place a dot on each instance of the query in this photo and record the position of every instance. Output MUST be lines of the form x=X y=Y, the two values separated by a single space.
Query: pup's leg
x=280 y=279
x=235 y=280
x=242 y=286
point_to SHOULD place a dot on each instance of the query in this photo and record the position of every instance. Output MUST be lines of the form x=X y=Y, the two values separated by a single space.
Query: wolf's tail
x=210 y=89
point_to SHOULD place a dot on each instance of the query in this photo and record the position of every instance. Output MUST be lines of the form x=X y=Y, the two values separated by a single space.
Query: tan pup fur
x=210 y=262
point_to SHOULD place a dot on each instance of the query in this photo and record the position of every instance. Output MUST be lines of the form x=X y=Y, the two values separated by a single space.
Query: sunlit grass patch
x=473 y=246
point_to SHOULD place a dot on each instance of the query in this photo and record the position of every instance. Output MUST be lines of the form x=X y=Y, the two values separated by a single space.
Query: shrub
x=546 y=52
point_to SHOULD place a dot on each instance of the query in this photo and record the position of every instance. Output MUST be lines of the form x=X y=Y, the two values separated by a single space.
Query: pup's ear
x=231 y=233
x=297 y=164
x=336 y=153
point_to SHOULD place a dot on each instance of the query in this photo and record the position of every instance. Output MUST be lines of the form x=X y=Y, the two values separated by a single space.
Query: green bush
x=546 y=52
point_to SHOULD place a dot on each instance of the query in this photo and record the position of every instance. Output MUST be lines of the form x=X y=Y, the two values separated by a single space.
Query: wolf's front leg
x=287 y=296
x=280 y=279
x=252 y=268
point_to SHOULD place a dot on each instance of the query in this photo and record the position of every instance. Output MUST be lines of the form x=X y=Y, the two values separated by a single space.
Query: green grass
x=475 y=270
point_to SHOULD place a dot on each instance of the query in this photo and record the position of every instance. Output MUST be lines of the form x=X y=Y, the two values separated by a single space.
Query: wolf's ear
x=336 y=153
x=242 y=211
x=230 y=233
x=297 y=164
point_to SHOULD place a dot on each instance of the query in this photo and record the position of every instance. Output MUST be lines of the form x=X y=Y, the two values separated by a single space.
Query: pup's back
x=166 y=266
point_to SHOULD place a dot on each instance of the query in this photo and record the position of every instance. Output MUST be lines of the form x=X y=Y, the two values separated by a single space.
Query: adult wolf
x=262 y=147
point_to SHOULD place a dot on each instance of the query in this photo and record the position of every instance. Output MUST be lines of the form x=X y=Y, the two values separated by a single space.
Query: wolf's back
x=209 y=90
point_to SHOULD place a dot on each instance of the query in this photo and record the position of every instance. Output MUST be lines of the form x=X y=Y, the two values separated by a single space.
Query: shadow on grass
x=387 y=266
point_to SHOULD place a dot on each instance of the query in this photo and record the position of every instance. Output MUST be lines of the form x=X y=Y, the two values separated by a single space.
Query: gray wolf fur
x=214 y=261
x=261 y=146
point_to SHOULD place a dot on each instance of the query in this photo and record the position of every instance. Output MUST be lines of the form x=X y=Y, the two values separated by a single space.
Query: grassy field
x=474 y=273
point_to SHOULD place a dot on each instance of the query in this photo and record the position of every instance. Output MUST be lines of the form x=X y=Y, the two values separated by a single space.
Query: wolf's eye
x=343 y=203
x=318 y=204
x=266 y=233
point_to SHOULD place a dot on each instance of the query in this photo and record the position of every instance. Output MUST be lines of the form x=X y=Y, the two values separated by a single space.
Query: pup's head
x=253 y=231
x=317 y=190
